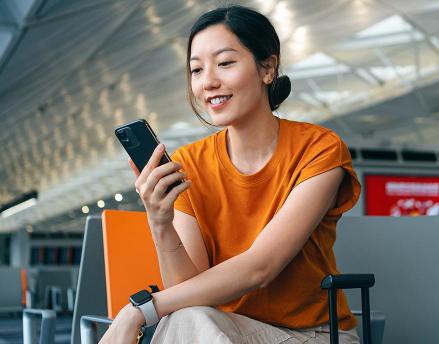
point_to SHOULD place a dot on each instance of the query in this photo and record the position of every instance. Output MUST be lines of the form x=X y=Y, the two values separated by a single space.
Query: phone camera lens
x=123 y=136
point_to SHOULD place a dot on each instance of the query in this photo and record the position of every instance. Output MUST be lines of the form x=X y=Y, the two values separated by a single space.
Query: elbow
x=265 y=280
x=261 y=273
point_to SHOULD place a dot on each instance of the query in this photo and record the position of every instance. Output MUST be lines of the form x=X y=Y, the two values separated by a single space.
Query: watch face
x=140 y=297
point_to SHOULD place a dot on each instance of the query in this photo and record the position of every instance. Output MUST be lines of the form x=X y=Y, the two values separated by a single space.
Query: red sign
x=401 y=195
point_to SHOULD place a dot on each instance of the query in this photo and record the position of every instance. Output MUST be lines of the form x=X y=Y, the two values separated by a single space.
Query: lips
x=218 y=102
x=218 y=98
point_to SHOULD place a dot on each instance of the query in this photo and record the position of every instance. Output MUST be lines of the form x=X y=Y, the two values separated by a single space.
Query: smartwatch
x=143 y=300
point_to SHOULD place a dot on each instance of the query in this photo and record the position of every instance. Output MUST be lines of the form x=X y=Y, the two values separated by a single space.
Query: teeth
x=218 y=100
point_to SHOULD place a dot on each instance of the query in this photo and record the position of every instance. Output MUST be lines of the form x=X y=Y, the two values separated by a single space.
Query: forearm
x=175 y=264
x=220 y=284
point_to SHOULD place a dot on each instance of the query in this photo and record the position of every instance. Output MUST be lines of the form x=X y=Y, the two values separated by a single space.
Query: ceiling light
x=118 y=197
x=19 y=204
x=85 y=209
x=101 y=204
x=300 y=33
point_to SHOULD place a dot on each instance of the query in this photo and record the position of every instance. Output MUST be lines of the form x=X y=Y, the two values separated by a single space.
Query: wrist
x=137 y=316
x=160 y=228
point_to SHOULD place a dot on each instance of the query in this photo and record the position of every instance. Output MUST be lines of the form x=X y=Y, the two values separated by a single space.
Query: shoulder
x=196 y=150
x=310 y=130
x=308 y=136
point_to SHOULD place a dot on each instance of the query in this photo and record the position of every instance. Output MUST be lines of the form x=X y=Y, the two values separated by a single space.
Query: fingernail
x=160 y=147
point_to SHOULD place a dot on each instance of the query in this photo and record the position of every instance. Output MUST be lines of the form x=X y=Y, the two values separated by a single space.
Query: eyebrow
x=216 y=53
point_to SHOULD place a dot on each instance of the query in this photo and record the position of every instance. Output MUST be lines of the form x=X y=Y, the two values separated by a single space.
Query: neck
x=251 y=145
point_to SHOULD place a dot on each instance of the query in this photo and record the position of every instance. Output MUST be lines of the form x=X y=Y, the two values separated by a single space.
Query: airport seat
x=47 y=318
x=48 y=287
x=131 y=264
x=91 y=294
x=32 y=316
x=11 y=290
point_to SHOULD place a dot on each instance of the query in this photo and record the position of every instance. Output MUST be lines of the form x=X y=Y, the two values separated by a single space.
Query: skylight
x=318 y=64
x=390 y=25
x=390 y=31
x=315 y=60
x=389 y=73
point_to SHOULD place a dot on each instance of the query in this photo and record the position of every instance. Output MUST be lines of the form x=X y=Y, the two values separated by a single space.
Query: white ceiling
x=71 y=71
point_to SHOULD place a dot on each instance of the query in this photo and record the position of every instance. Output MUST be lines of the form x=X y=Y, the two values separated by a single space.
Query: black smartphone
x=139 y=141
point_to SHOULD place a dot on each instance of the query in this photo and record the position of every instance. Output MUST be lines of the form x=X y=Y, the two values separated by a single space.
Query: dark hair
x=256 y=33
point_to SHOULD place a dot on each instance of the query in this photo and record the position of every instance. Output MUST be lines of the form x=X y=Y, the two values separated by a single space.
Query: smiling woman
x=234 y=44
x=252 y=232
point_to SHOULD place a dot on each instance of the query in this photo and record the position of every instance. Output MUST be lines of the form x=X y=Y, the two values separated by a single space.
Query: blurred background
x=71 y=71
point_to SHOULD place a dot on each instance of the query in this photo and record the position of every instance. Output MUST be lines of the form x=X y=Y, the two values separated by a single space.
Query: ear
x=268 y=69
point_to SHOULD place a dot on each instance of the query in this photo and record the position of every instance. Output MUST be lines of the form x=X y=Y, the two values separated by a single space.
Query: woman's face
x=224 y=76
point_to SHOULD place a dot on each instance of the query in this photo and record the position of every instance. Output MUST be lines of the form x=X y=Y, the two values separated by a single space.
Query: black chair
x=373 y=323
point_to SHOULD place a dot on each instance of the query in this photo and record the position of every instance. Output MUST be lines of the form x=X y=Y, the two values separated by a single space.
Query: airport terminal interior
x=73 y=71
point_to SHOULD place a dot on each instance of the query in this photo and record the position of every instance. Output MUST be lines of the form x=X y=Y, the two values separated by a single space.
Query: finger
x=161 y=172
x=176 y=190
x=156 y=156
x=164 y=183
x=165 y=170
x=133 y=167
x=152 y=163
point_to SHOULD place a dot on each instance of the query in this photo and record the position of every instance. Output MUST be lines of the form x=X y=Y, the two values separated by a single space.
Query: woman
x=250 y=231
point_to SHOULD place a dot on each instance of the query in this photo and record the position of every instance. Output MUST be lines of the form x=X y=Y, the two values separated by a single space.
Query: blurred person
x=244 y=242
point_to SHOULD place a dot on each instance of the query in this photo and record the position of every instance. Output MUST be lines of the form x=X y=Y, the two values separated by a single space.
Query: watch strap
x=149 y=313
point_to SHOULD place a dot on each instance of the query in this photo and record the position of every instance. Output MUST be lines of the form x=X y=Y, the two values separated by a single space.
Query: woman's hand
x=125 y=326
x=152 y=183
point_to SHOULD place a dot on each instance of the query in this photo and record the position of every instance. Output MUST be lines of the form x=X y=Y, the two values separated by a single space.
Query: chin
x=222 y=120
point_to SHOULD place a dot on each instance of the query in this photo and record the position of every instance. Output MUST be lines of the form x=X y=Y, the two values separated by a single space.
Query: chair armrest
x=47 y=329
x=88 y=327
x=30 y=299
x=348 y=281
x=71 y=295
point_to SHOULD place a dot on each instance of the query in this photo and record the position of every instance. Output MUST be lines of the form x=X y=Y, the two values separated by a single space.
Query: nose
x=211 y=80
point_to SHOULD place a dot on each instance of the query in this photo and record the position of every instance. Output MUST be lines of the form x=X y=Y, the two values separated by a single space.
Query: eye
x=195 y=71
x=226 y=63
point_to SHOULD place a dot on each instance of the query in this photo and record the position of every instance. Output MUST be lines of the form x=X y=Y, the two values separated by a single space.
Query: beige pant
x=200 y=325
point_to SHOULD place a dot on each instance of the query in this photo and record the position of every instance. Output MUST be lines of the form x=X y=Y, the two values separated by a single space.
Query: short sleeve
x=327 y=153
x=182 y=202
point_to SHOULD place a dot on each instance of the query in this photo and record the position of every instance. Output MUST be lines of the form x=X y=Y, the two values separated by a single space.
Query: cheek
x=249 y=83
x=196 y=89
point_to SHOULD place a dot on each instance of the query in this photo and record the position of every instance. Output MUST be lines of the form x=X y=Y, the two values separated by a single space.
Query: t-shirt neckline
x=263 y=174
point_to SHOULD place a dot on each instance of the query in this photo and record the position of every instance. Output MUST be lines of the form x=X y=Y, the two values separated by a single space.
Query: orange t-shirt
x=232 y=209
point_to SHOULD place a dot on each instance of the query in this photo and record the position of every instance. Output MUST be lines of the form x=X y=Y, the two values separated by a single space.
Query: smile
x=218 y=102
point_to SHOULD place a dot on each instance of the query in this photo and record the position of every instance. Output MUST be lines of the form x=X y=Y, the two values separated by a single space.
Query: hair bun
x=279 y=91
